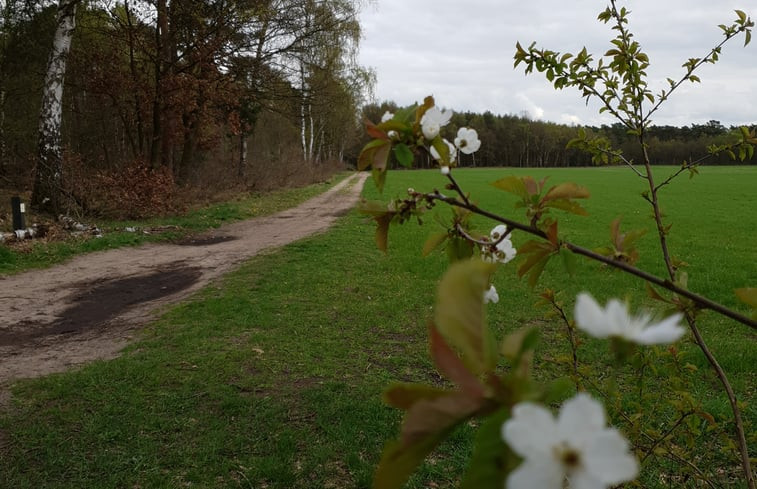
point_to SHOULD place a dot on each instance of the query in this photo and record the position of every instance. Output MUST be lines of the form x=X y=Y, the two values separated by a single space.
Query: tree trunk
x=3 y=151
x=135 y=80
x=242 y=171
x=158 y=108
x=48 y=180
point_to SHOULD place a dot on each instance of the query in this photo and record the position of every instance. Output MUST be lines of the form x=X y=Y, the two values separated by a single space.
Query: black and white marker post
x=18 y=213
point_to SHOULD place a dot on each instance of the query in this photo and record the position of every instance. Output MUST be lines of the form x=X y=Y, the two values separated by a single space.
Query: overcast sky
x=462 y=53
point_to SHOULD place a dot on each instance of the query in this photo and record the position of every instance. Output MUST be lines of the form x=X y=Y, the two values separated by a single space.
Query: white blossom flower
x=491 y=295
x=387 y=116
x=445 y=170
x=467 y=140
x=393 y=135
x=576 y=445
x=615 y=321
x=433 y=120
x=452 y=152
x=503 y=252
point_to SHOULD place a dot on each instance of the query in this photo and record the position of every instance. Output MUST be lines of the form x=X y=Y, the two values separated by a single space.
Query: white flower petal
x=536 y=474
x=582 y=479
x=608 y=458
x=615 y=320
x=579 y=418
x=433 y=120
x=387 y=116
x=467 y=140
x=430 y=130
x=667 y=331
x=618 y=321
x=491 y=295
x=531 y=432
x=589 y=316
x=444 y=170
x=498 y=231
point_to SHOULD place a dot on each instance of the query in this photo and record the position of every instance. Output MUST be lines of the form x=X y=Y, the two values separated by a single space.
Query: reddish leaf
x=403 y=396
x=532 y=188
x=459 y=313
x=433 y=242
x=566 y=191
x=513 y=185
x=450 y=365
x=552 y=233
x=375 y=154
x=382 y=230
x=428 y=417
x=374 y=131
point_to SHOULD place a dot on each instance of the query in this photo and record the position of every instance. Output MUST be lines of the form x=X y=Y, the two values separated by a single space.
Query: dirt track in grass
x=90 y=307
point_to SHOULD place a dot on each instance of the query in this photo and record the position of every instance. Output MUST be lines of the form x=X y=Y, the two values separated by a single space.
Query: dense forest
x=152 y=95
x=252 y=93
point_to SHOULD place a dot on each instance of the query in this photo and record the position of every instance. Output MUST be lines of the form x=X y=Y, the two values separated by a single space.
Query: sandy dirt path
x=89 y=308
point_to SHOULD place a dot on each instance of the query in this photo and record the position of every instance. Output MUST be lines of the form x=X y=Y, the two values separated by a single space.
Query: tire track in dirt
x=90 y=307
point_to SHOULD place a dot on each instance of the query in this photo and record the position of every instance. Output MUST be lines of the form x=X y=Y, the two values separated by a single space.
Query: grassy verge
x=272 y=378
x=47 y=253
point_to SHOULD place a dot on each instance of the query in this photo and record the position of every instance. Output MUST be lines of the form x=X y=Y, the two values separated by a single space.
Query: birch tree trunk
x=48 y=180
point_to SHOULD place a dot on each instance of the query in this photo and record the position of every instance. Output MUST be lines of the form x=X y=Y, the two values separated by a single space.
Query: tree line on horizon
x=519 y=141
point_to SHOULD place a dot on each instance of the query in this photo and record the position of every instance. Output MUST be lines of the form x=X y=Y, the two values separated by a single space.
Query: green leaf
x=404 y=155
x=567 y=206
x=518 y=343
x=538 y=254
x=558 y=390
x=569 y=261
x=373 y=154
x=514 y=185
x=399 y=461
x=433 y=242
x=492 y=459
x=651 y=292
x=379 y=178
x=441 y=147
x=459 y=313
x=748 y=296
x=459 y=249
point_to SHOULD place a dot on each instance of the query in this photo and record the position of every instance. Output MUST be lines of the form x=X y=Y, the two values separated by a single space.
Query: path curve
x=90 y=307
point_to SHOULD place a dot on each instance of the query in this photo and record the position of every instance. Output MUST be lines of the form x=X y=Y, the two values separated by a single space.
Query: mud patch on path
x=101 y=301
x=205 y=240
x=91 y=307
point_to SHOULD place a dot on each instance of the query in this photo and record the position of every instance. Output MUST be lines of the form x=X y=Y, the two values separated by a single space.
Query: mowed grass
x=272 y=377
x=44 y=253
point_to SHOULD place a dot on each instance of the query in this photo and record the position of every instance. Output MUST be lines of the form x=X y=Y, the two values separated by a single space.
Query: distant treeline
x=511 y=140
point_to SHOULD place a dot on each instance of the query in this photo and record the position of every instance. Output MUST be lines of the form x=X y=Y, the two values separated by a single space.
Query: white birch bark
x=49 y=175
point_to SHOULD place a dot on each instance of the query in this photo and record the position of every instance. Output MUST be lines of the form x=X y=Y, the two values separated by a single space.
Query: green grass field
x=272 y=377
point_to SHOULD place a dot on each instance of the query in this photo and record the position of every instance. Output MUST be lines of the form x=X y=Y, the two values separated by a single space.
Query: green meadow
x=272 y=377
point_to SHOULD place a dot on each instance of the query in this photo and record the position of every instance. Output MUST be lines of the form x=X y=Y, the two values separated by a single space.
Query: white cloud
x=534 y=111
x=462 y=54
